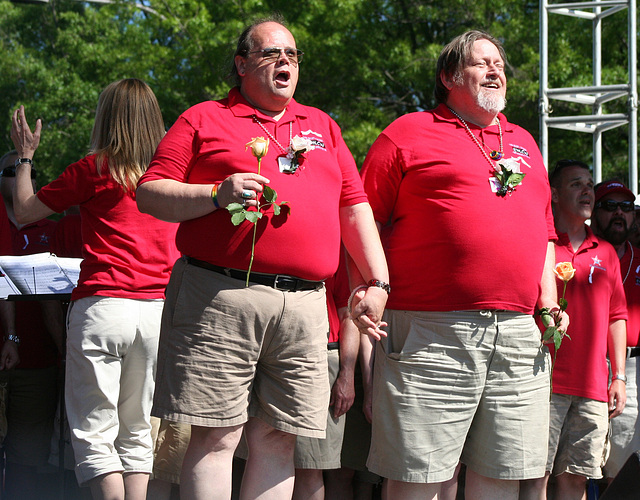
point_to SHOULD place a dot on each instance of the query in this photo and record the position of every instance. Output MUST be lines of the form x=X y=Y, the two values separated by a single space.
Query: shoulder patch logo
x=519 y=150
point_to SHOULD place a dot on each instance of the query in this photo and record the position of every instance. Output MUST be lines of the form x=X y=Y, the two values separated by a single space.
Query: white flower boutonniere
x=295 y=154
x=506 y=176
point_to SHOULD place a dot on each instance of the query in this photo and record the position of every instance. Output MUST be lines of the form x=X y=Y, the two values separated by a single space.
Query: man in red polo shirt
x=240 y=351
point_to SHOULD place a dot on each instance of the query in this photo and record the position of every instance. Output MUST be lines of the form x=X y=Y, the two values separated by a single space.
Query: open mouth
x=491 y=85
x=619 y=223
x=283 y=77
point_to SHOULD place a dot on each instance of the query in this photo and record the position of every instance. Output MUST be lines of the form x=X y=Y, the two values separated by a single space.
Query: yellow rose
x=564 y=271
x=259 y=146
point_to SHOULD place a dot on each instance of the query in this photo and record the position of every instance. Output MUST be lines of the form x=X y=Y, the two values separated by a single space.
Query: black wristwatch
x=20 y=161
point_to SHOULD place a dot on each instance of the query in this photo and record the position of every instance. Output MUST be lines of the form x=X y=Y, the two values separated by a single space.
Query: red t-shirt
x=37 y=348
x=630 y=272
x=207 y=144
x=595 y=299
x=452 y=243
x=126 y=253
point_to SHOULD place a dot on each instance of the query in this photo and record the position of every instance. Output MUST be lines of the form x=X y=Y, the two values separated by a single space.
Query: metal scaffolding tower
x=597 y=94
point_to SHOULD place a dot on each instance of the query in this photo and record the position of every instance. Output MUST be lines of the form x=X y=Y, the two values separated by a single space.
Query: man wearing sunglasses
x=248 y=351
x=612 y=219
x=583 y=401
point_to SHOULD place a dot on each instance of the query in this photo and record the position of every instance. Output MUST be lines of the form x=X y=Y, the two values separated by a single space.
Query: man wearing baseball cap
x=612 y=218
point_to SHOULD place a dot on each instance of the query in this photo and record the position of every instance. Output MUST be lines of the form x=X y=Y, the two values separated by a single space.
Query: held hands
x=367 y=307
x=243 y=188
x=25 y=141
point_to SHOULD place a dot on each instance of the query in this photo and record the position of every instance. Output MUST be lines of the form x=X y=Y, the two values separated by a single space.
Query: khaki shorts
x=577 y=436
x=170 y=445
x=314 y=453
x=625 y=428
x=462 y=385
x=228 y=352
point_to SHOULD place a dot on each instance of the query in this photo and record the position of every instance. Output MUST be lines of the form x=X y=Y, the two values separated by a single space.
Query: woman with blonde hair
x=114 y=318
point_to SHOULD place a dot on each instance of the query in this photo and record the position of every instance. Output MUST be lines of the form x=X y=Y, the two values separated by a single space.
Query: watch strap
x=20 y=161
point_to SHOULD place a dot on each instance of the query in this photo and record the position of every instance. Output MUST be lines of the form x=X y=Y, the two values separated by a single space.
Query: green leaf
x=549 y=333
x=238 y=217
x=562 y=302
x=235 y=207
x=546 y=320
x=515 y=179
x=276 y=209
x=557 y=339
x=270 y=194
x=253 y=216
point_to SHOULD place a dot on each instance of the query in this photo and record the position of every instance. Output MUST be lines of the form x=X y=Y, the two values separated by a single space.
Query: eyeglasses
x=272 y=54
x=611 y=205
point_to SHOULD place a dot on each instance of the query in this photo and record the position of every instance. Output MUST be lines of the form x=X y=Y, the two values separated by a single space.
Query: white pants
x=112 y=346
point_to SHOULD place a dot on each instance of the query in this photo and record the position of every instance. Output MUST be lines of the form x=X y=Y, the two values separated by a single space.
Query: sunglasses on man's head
x=611 y=205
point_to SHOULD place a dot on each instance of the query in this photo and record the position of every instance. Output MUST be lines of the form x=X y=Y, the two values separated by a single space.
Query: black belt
x=277 y=281
x=332 y=346
x=632 y=352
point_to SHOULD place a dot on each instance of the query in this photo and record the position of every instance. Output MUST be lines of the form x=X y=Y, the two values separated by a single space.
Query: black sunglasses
x=11 y=172
x=611 y=205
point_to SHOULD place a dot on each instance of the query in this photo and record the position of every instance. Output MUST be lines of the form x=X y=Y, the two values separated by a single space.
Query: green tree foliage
x=367 y=61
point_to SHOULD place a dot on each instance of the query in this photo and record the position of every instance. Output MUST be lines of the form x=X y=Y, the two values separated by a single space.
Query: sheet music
x=71 y=268
x=6 y=285
x=40 y=273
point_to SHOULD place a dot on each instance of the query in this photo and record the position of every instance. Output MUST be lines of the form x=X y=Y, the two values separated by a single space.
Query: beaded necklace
x=283 y=149
x=493 y=154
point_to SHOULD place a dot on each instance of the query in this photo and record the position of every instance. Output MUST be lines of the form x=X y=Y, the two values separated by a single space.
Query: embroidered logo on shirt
x=519 y=150
x=316 y=141
x=594 y=266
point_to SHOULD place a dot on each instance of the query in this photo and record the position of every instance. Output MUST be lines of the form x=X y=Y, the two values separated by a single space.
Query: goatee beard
x=491 y=102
